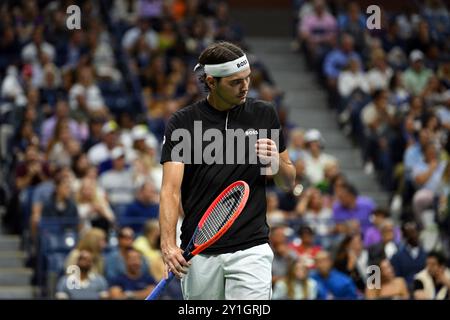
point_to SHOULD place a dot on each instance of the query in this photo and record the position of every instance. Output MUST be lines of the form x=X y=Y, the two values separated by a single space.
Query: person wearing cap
x=144 y=144
x=102 y=151
x=417 y=75
x=118 y=182
x=316 y=160
x=239 y=264
x=143 y=155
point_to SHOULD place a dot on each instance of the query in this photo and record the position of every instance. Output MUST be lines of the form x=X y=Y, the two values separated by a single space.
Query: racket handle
x=160 y=287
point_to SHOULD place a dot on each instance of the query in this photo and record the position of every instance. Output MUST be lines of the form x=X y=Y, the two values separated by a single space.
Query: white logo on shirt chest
x=250 y=132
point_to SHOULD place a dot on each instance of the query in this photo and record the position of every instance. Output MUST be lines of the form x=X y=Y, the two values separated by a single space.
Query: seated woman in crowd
x=391 y=287
x=297 y=285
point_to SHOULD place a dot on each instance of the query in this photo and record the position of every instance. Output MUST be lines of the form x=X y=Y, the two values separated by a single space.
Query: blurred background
x=366 y=114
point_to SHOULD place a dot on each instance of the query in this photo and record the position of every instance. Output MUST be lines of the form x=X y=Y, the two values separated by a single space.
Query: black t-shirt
x=204 y=180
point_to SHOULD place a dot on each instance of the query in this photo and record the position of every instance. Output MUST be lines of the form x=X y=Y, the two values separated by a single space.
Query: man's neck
x=218 y=103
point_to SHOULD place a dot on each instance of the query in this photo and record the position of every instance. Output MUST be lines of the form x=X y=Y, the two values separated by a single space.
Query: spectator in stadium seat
x=380 y=74
x=352 y=79
x=317 y=215
x=410 y=259
x=149 y=245
x=391 y=39
x=145 y=204
x=399 y=96
x=43 y=194
x=63 y=146
x=414 y=154
x=115 y=259
x=143 y=154
x=318 y=30
x=85 y=97
x=118 y=182
x=143 y=28
x=308 y=248
x=433 y=282
x=417 y=75
x=61 y=203
x=353 y=22
x=274 y=214
x=427 y=177
x=12 y=88
x=352 y=260
x=89 y=285
x=78 y=130
x=32 y=170
x=373 y=234
x=391 y=286
x=315 y=158
x=350 y=205
x=94 y=241
x=337 y=59
x=102 y=55
x=95 y=134
x=283 y=254
x=134 y=283
x=332 y=283
x=74 y=49
x=297 y=285
x=30 y=52
x=388 y=244
x=101 y=151
x=93 y=207
x=296 y=146
x=377 y=118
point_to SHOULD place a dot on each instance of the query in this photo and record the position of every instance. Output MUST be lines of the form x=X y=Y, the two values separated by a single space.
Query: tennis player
x=239 y=265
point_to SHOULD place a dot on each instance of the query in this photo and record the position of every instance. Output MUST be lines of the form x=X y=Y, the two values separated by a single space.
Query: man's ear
x=211 y=82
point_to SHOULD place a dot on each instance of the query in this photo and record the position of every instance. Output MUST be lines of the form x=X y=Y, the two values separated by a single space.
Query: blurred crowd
x=86 y=110
x=390 y=90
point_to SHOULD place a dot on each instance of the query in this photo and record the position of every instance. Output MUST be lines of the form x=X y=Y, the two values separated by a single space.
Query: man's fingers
x=166 y=271
x=182 y=261
x=265 y=140
x=175 y=269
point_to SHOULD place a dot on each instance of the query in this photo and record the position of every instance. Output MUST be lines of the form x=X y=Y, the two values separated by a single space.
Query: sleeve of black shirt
x=276 y=125
x=168 y=142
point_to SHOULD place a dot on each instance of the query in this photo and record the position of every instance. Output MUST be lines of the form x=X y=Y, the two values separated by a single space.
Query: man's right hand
x=174 y=261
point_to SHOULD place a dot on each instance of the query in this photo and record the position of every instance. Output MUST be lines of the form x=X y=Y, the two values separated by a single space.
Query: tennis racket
x=217 y=219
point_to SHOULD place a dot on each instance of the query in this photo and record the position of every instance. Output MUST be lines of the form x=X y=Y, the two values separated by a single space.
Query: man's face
x=388 y=233
x=411 y=235
x=323 y=263
x=126 y=238
x=277 y=236
x=85 y=261
x=344 y=196
x=233 y=89
x=133 y=262
x=432 y=266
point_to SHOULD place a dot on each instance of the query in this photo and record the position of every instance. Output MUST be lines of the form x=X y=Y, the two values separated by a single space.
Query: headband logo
x=241 y=64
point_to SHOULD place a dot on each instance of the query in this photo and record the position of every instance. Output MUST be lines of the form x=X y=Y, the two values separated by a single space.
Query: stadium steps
x=307 y=105
x=15 y=279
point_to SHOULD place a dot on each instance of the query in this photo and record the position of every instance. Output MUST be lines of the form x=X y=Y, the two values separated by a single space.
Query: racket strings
x=220 y=215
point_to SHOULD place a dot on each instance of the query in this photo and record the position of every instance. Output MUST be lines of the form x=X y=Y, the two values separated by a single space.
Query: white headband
x=226 y=68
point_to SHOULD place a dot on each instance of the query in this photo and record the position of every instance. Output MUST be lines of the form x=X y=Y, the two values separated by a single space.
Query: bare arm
x=285 y=178
x=281 y=167
x=168 y=217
